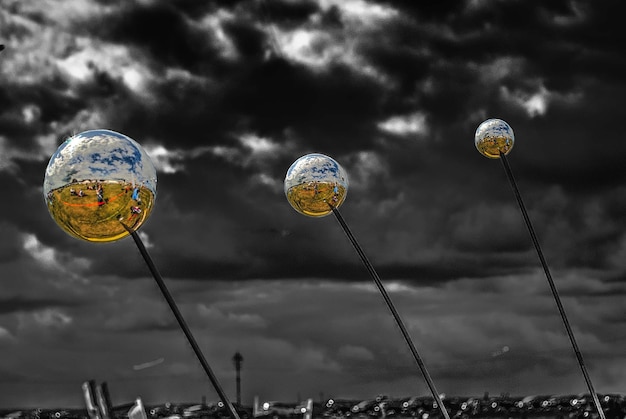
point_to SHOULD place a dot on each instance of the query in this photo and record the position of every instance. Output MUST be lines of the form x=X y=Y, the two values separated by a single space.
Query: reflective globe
x=314 y=184
x=97 y=182
x=494 y=136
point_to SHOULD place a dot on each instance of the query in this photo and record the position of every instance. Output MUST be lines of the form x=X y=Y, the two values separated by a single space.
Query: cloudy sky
x=224 y=96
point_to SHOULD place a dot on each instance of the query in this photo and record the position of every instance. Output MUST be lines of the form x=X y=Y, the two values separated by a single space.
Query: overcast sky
x=224 y=96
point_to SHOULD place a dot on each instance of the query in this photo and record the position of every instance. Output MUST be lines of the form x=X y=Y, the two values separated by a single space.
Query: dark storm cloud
x=159 y=30
x=8 y=250
x=52 y=105
x=265 y=96
x=492 y=30
x=248 y=40
x=14 y=304
x=273 y=95
x=484 y=29
x=326 y=111
x=23 y=184
x=561 y=152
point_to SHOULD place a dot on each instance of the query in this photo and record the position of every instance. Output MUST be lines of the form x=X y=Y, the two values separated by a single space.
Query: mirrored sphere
x=98 y=181
x=494 y=136
x=314 y=183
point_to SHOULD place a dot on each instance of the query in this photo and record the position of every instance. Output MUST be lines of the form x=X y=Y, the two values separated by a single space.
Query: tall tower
x=237 y=359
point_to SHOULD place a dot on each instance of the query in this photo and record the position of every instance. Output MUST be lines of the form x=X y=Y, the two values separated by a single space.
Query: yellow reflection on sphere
x=494 y=136
x=314 y=183
x=97 y=182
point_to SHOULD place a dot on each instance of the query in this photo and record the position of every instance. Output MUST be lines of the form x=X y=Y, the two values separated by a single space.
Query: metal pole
x=555 y=292
x=182 y=322
x=394 y=312
x=238 y=359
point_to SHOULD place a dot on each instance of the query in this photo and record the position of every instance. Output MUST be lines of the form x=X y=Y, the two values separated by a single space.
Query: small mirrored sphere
x=314 y=184
x=494 y=136
x=97 y=182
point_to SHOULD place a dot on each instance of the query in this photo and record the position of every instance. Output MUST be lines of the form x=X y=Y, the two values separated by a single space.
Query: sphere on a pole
x=494 y=136
x=97 y=182
x=314 y=184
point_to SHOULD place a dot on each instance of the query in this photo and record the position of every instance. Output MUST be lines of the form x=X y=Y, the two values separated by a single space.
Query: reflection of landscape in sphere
x=313 y=183
x=97 y=180
x=494 y=136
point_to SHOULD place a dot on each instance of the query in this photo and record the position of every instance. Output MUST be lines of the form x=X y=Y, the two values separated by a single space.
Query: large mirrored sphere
x=494 y=136
x=314 y=183
x=98 y=181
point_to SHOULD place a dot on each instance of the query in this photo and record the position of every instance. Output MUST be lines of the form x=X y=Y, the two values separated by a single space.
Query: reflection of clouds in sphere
x=98 y=180
x=314 y=183
x=494 y=136
x=100 y=154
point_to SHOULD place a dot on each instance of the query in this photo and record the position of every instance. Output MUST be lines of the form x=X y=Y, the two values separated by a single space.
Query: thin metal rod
x=182 y=322
x=555 y=292
x=394 y=312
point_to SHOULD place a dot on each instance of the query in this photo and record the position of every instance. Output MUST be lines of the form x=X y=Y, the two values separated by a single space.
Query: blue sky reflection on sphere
x=313 y=183
x=97 y=180
x=494 y=136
